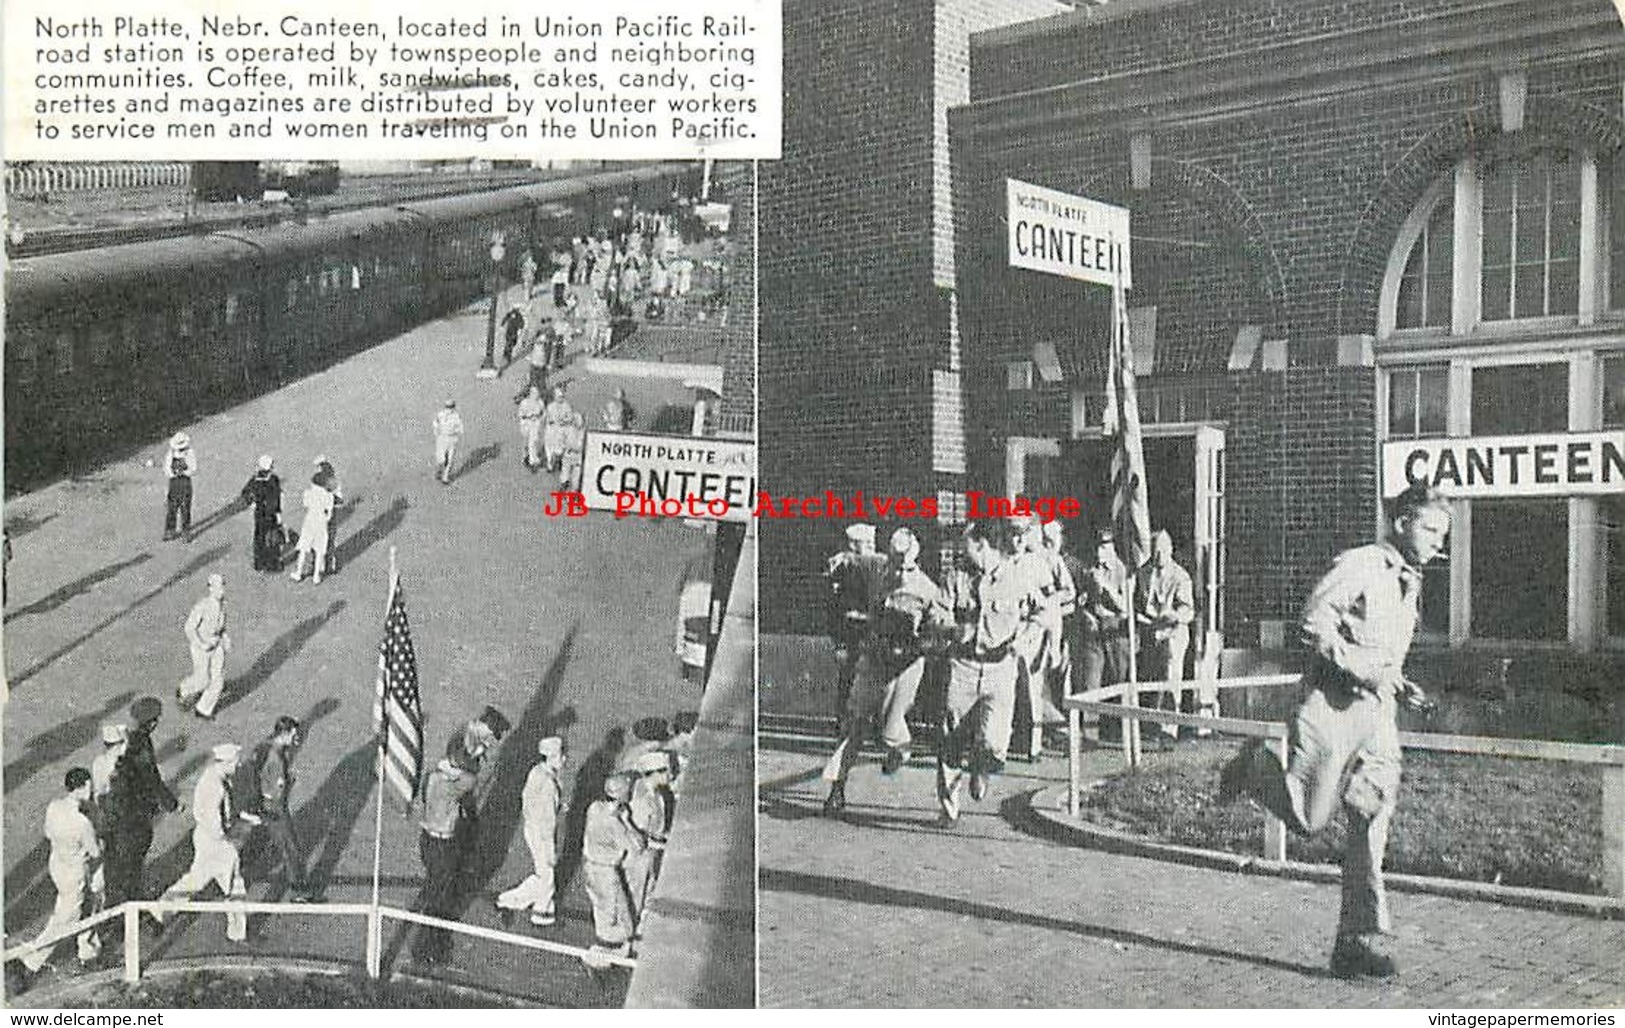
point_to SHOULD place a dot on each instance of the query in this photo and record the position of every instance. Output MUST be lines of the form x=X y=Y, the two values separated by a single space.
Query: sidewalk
x=888 y=907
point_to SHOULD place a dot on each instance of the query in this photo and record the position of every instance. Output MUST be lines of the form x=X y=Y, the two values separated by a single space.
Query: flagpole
x=1131 y=726
x=375 y=919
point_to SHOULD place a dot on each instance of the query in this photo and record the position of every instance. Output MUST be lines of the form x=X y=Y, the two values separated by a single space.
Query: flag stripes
x=1131 y=517
x=397 y=710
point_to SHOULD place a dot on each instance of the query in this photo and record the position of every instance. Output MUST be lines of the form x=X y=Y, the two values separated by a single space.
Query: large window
x=1520 y=548
x=1522 y=254
x=1531 y=262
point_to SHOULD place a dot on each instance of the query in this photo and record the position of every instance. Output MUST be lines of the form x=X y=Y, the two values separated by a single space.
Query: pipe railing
x=132 y=910
x=1121 y=700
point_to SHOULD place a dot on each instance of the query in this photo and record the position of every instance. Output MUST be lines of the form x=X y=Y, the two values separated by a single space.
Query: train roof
x=92 y=274
x=279 y=241
x=457 y=208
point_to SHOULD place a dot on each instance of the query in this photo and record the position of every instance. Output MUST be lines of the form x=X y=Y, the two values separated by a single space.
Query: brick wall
x=736 y=181
x=855 y=268
x=1279 y=210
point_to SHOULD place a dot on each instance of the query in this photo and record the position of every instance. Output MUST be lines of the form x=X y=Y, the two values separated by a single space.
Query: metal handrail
x=131 y=911
x=1609 y=757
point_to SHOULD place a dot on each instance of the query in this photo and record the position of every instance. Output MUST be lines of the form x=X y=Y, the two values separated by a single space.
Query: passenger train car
x=113 y=347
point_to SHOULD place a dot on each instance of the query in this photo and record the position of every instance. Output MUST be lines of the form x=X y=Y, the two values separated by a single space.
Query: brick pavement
x=507 y=607
x=889 y=908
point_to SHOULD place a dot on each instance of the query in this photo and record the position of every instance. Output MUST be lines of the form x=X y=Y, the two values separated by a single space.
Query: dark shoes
x=978 y=785
x=894 y=759
x=1355 y=957
x=1233 y=777
x=835 y=802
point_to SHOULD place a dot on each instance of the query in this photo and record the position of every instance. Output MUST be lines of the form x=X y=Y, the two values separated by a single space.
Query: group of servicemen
x=1025 y=624
x=995 y=627
x=100 y=828
x=624 y=835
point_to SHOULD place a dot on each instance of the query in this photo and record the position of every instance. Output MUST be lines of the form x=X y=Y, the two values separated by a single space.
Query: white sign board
x=1066 y=235
x=1558 y=464
x=669 y=476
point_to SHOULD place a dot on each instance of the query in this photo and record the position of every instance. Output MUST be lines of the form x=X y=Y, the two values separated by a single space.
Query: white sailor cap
x=113 y=732
x=226 y=752
x=861 y=533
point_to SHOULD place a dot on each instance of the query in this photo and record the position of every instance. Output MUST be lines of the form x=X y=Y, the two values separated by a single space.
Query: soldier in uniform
x=272 y=767
x=74 y=867
x=448 y=429
x=206 y=637
x=1103 y=608
x=180 y=464
x=327 y=477
x=649 y=808
x=856 y=576
x=1041 y=651
x=215 y=839
x=1343 y=746
x=890 y=666
x=263 y=492
x=115 y=738
x=989 y=603
x=446 y=792
x=1165 y=606
x=137 y=795
x=608 y=840
x=513 y=326
x=530 y=426
x=558 y=419
x=618 y=413
x=540 y=803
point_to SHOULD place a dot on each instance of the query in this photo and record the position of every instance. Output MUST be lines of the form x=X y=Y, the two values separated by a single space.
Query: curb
x=1048 y=805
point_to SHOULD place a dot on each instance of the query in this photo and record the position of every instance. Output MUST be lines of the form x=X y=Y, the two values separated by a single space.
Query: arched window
x=1501 y=316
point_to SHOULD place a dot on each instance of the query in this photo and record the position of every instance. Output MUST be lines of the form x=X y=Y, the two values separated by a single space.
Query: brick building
x=859 y=355
x=1353 y=224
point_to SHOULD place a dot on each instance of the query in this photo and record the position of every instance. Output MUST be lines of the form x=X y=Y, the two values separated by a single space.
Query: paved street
x=566 y=626
x=888 y=907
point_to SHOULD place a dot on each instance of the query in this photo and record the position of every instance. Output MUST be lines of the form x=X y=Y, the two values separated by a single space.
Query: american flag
x=1131 y=517
x=397 y=710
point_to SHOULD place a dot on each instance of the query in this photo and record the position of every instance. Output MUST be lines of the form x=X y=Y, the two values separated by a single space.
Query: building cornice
x=1498 y=35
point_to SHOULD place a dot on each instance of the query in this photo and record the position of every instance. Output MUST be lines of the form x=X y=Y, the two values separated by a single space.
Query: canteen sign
x=1560 y=464
x=1066 y=235
x=669 y=476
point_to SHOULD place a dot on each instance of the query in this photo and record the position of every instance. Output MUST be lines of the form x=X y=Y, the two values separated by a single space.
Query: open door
x=1209 y=549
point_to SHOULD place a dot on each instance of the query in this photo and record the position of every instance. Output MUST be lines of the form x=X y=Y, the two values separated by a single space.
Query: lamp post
x=488 y=368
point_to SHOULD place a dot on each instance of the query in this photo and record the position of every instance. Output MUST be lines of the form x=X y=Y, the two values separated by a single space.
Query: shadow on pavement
x=382 y=524
x=54 y=744
x=476 y=458
x=853 y=891
x=219 y=516
x=192 y=567
x=278 y=653
x=588 y=786
x=76 y=588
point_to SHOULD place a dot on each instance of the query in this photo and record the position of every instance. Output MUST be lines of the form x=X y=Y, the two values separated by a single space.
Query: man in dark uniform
x=264 y=493
x=138 y=794
x=447 y=791
x=267 y=798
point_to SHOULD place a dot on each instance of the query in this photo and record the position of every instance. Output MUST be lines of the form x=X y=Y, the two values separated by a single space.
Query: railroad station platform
x=567 y=626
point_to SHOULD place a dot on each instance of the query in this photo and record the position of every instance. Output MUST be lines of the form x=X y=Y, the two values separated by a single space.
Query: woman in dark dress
x=264 y=492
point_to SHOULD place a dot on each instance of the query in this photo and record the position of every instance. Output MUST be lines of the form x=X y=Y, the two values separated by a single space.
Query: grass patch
x=272 y=989
x=1487 y=819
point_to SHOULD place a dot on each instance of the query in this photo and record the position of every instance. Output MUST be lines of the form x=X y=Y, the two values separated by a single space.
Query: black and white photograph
x=328 y=682
x=1195 y=568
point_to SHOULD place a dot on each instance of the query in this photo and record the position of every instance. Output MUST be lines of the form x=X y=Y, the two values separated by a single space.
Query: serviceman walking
x=206 y=637
x=609 y=839
x=540 y=804
x=445 y=789
x=214 y=849
x=75 y=868
x=273 y=785
x=530 y=426
x=448 y=429
x=649 y=809
x=136 y=796
x=856 y=577
x=1343 y=746
x=989 y=603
